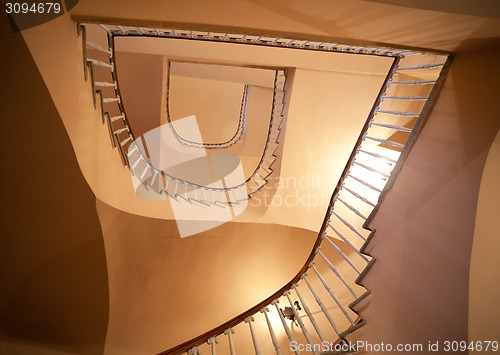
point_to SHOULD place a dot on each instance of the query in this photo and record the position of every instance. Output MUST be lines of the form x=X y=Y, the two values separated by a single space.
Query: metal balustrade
x=239 y=130
x=331 y=277
x=345 y=223
x=134 y=157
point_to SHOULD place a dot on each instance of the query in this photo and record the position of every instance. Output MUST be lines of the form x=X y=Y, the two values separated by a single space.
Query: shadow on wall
x=53 y=274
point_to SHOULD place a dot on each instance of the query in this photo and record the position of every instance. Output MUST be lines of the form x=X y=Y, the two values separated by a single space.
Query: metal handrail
x=233 y=140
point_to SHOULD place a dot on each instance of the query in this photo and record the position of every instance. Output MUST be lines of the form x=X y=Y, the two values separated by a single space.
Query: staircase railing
x=387 y=136
x=342 y=221
x=123 y=138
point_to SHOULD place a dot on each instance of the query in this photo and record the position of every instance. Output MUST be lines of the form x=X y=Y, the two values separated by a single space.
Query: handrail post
x=249 y=320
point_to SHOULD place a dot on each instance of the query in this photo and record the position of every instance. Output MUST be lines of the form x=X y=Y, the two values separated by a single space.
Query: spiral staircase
x=311 y=301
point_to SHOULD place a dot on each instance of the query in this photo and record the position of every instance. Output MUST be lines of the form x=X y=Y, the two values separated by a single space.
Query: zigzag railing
x=378 y=154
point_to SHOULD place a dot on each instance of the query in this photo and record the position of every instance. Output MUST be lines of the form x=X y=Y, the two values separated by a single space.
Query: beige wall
x=54 y=287
x=140 y=78
x=165 y=290
x=484 y=287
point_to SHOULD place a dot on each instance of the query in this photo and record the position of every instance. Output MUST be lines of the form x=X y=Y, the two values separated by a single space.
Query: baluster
x=427 y=66
x=272 y=146
x=271 y=155
x=336 y=272
x=349 y=225
x=337 y=249
x=413 y=82
x=384 y=141
x=111 y=99
x=285 y=326
x=255 y=181
x=104 y=28
x=234 y=198
x=125 y=141
x=368 y=202
x=390 y=126
x=194 y=351
x=121 y=130
x=271 y=331
x=136 y=163
x=376 y=155
x=263 y=178
x=144 y=173
x=100 y=63
x=249 y=320
x=347 y=241
x=163 y=183
x=321 y=305
x=363 y=182
x=116 y=118
x=122 y=30
x=97 y=47
x=228 y=332
x=175 y=188
x=378 y=172
x=212 y=341
x=104 y=84
x=309 y=314
x=332 y=294
x=351 y=208
x=132 y=150
x=407 y=98
x=152 y=181
x=299 y=320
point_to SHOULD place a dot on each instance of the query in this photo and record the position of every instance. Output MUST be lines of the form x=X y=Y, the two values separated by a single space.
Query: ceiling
x=440 y=25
